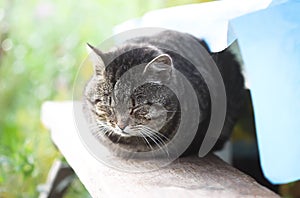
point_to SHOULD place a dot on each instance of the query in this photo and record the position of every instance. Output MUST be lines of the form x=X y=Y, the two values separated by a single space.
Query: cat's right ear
x=96 y=57
x=159 y=69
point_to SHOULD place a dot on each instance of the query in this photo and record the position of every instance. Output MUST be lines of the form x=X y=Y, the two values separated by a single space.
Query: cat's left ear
x=96 y=57
x=159 y=69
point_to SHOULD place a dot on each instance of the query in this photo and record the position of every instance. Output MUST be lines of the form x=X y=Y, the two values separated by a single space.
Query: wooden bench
x=185 y=177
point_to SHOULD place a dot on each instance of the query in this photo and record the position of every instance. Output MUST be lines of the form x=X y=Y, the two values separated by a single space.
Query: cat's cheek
x=111 y=123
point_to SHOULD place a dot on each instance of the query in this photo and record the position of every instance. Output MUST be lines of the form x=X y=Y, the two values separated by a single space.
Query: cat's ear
x=96 y=57
x=159 y=69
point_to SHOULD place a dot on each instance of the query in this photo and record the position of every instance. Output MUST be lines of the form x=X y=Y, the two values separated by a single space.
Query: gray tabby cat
x=152 y=115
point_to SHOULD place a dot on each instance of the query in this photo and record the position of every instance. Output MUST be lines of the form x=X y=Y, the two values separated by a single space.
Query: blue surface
x=270 y=45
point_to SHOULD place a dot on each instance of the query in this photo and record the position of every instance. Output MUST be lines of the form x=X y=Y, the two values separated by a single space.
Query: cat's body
x=150 y=116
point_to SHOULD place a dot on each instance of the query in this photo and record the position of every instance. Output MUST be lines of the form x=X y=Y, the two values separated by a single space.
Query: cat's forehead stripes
x=128 y=57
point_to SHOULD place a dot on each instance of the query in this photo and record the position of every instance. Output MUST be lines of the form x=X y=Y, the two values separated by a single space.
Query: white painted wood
x=186 y=177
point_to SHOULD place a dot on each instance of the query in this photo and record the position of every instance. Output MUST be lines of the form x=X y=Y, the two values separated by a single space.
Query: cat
x=150 y=116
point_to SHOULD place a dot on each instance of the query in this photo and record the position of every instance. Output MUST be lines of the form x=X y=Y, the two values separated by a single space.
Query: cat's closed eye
x=97 y=101
x=103 y=110
x=141 y=110
x=105 y=100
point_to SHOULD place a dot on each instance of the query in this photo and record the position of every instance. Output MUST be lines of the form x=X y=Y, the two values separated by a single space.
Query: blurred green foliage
x=42 y=43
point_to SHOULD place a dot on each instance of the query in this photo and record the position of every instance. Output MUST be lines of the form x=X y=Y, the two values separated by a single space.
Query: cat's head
x=126 y=116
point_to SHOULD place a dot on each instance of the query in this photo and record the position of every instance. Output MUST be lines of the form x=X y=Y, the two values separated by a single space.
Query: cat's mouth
x=127 y=132
x=121 y=132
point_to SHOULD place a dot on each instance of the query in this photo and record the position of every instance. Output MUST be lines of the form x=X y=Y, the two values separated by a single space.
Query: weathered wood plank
x=185 y=177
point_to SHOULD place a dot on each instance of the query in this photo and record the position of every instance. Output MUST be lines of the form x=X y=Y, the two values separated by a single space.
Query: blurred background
x=42 y=44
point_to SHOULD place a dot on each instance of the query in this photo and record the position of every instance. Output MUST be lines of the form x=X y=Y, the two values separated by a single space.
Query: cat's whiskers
x=145 y=139
x=152 y=131
x=153 y=135
x=99 y=129
x=157 y=140
x=156 y=136
x=95 y=128
x=109 y=133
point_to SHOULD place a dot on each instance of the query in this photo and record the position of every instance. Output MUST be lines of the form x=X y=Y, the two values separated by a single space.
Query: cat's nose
x=122 y=124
